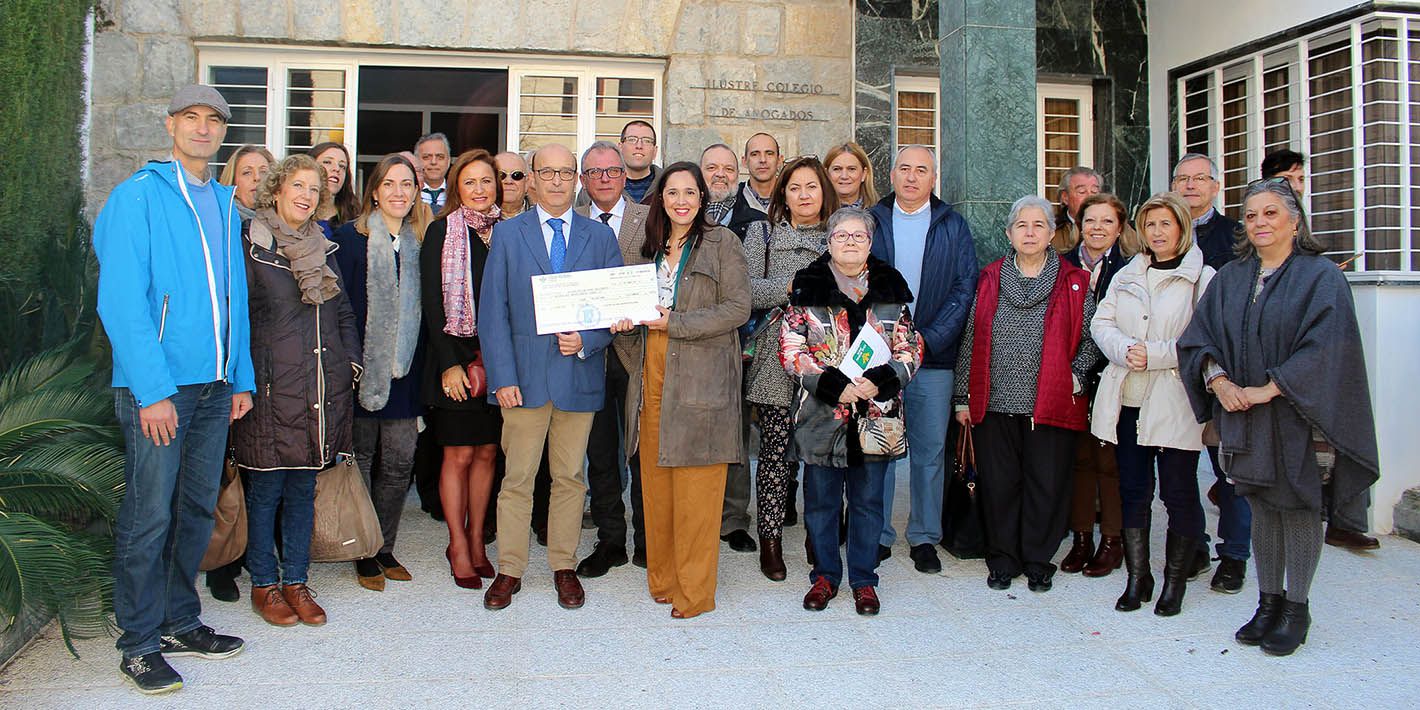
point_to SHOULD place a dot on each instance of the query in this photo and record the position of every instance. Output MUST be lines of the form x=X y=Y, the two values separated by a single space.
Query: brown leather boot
x=1080 y=552
x=771 y=558
x=302 y=601
x=1108 y=557
x=268 y=603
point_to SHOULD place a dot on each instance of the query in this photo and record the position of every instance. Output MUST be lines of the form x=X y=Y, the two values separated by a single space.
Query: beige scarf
x=306 y=250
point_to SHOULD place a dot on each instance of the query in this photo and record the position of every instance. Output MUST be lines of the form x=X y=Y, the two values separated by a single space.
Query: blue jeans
x=1234 y=516
x=294 y=491
x=927 y=402
x=824 y=490
x=165 y=521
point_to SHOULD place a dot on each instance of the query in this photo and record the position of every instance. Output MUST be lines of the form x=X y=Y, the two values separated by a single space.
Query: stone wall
x=144 y=50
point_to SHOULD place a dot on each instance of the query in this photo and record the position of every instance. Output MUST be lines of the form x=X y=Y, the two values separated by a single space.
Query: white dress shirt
x=617 y=210
x=566 y=217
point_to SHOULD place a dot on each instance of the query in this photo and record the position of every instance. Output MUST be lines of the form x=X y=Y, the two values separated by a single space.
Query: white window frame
x=1085 y=95
x=279 y=58
x=924 y=85
x=1300 y=104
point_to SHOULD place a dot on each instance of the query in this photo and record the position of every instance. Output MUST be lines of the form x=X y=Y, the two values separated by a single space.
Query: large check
x=584 y=300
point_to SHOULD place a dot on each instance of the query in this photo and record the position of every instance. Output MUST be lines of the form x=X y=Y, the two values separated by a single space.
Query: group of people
x=322 y=326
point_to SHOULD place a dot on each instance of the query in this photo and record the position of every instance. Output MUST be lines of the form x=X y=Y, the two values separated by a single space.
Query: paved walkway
x=941 y=641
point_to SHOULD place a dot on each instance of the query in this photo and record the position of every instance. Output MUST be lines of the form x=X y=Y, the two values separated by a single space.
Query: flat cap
x=200 y=95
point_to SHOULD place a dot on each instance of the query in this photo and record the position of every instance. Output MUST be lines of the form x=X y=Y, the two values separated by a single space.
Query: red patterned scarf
x=460 y=313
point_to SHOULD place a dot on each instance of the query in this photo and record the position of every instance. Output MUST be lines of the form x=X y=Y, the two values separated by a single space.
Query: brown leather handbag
x=346 y=527
x=229 y=532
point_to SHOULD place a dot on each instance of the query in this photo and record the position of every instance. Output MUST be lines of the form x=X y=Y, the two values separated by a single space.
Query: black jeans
x=1023 y=472
x=1178 y=480
x=605 y=463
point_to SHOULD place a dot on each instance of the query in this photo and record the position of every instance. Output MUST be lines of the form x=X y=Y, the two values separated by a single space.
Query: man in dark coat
x=930 y=244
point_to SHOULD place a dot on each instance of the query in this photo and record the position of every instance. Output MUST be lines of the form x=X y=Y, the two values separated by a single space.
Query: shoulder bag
x=346 y=527
x=229 y=531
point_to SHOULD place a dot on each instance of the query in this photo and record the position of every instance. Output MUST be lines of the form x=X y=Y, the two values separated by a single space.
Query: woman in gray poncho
x=1273 y=354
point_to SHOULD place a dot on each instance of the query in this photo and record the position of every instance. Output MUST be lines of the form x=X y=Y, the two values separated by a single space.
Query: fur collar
x=814 y=285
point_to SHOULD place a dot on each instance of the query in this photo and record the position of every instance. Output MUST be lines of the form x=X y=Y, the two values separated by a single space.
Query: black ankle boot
x=1178 y=565
x=1290 y=630
x=1269 y=606
x=1139 y=586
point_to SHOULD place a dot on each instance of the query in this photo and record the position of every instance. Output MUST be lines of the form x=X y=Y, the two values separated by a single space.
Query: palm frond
x=51 y=412
x=55 y=367
x=62 y=572
x=64 y=481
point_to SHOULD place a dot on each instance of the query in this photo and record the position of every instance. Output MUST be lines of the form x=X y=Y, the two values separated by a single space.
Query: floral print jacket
x=819 y=325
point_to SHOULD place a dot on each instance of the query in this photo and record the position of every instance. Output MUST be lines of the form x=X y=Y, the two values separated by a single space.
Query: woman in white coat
x=1141 y=406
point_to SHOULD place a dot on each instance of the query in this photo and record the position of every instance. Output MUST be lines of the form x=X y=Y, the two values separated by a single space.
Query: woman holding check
x=684 y=370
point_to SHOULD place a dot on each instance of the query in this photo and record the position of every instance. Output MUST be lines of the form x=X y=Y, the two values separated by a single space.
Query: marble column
x=988 y=64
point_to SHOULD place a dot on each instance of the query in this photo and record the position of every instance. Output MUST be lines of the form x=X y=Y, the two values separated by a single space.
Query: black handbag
x=963 y=530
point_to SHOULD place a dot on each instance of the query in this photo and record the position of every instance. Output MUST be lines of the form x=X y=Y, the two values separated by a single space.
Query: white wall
x=1390 y=331
x=1184 y=31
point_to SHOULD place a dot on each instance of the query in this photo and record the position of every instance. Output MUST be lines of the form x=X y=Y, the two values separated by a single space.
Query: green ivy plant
x=61 y=482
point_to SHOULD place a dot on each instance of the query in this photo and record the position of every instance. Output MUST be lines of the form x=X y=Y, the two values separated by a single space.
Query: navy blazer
x=949 y=271
x=513 y=353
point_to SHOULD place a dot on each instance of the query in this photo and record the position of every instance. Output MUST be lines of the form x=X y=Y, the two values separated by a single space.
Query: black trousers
x=1023 y=472
x=605 y=462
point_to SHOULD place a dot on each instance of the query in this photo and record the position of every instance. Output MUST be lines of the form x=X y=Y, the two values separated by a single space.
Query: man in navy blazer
x=548 y=386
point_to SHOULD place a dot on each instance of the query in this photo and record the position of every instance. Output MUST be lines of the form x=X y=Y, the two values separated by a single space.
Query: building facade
x=1011 y=93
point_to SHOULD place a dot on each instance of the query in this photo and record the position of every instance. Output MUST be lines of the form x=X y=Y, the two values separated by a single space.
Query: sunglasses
x=516 y=175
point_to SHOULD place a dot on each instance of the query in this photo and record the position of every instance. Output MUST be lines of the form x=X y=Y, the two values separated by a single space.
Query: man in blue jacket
x=930 y=244
x=173 y=301
x=549 y=386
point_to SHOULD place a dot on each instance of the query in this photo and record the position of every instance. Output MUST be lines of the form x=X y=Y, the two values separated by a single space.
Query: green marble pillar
x=987 y=50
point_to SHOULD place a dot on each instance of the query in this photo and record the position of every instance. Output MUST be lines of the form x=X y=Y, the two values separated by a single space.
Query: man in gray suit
x=603 y=178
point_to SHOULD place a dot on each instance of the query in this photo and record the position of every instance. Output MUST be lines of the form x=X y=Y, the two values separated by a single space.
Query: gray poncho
x=1300 y=331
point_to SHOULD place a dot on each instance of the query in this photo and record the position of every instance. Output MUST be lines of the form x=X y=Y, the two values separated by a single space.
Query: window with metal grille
x=1342 y=95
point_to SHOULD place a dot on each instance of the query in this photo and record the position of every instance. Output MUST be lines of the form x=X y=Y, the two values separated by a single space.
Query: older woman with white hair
x=849 y=417
x=1024 y=357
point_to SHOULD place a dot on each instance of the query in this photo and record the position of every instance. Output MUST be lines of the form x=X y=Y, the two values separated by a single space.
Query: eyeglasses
x=611 y=173
x=842 y=237
x=516 y=175
x=1201 y=179
x=564 y=173
x=638 y=140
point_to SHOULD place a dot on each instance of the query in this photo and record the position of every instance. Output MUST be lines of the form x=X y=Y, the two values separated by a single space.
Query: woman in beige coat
x=683 y=396
x=1141 y=405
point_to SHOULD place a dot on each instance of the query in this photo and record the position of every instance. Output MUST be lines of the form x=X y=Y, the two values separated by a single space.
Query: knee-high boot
x=1139 y=586
x=1178 y=565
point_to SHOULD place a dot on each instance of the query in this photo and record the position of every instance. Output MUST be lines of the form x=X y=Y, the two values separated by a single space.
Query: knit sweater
x=774 y=256
x=1017 y=337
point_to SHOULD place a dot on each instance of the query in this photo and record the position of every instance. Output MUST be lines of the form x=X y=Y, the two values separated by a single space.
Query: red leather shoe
x=474 y=582
x=1108 y=557
x=819 y=595
x=569 y=589
x=1080 y=552
x=500 y=592
x=865 y=600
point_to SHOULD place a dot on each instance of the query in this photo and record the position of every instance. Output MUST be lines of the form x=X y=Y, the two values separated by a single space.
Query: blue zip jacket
x=157 y=291
x=949 y=271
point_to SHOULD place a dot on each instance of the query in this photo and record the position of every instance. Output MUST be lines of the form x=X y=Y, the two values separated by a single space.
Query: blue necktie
x=557 y=254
